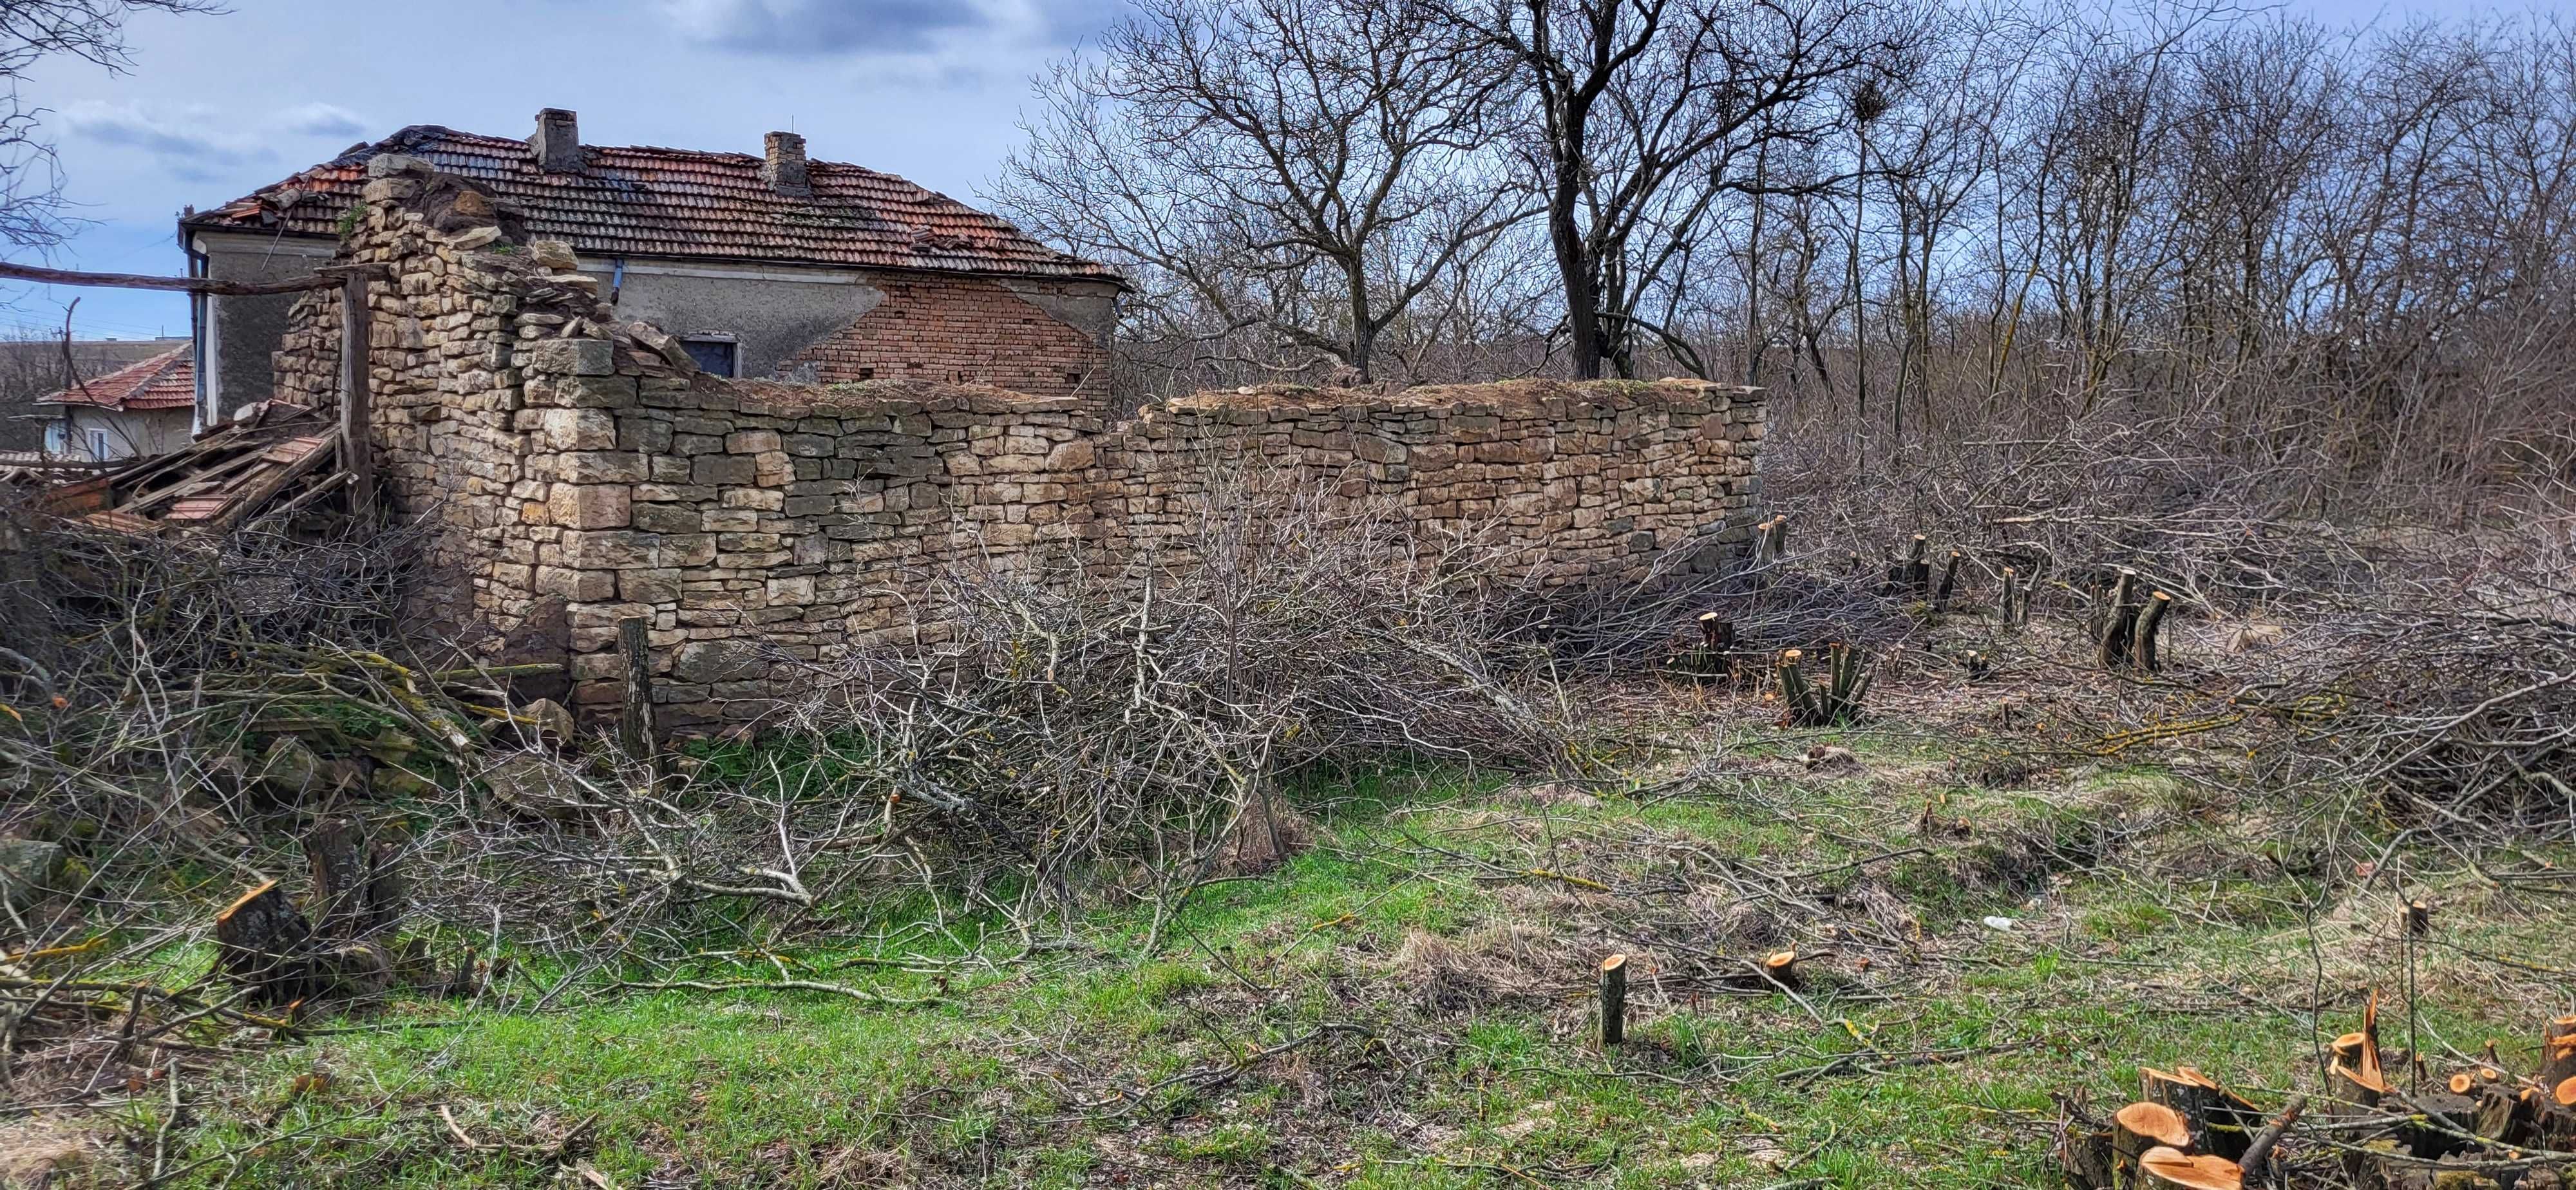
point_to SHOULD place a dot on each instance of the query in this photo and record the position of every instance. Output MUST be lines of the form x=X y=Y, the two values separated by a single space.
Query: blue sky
x=217 y=106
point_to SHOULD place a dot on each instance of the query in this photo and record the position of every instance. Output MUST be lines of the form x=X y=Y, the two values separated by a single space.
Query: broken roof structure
x=645 y=201
x=276 y=456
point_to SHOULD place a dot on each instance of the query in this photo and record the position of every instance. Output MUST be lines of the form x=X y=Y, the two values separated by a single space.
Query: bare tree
x=1637 y=116
x=31 y=31
x=1304 y=168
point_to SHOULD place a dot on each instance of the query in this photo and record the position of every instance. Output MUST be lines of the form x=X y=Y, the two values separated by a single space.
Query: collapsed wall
x=581 y=471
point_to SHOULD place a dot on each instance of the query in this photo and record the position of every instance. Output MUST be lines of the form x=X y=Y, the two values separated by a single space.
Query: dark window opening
x=714 y=356
x=1073 y=378
x=867 y=373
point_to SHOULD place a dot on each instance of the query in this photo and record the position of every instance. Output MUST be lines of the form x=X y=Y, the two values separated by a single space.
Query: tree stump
x=1614 y=999
x=1782 y=967
x=2167 y=1169
x=263 y=943
x=2119 y=621
x=2139 y=1129
x=2142 y=642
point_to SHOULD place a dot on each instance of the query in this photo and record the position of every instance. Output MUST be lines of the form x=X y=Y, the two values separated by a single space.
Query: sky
x=216 y=106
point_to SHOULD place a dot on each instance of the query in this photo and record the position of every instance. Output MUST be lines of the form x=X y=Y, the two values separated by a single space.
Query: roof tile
x=644 y=201
x=165 y=381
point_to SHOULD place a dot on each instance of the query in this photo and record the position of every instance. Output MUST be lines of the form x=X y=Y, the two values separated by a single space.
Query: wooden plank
x=28 y=272
x=356 y=456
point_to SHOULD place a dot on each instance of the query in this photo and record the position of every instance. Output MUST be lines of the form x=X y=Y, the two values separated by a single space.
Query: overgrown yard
x=1410 y=1001
x=1299 y=858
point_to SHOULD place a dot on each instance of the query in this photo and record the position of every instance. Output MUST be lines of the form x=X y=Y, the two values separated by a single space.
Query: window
x=98 y=444
x=715 y=354
x=57 y=440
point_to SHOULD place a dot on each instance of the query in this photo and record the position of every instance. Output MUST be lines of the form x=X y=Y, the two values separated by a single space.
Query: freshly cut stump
x=2168 y=1169
x=2142 y=1128
x=263 y=943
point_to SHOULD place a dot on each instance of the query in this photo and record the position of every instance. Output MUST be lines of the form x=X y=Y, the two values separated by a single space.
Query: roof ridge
x=675 y=203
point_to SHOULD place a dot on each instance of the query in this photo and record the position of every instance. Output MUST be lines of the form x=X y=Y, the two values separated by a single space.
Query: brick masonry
x=579 y=471
x=956 y=330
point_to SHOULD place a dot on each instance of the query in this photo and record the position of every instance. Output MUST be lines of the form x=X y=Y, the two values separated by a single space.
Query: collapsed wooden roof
x=275 y=456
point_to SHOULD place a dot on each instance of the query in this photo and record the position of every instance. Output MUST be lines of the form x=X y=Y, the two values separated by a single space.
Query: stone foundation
x=581 y=471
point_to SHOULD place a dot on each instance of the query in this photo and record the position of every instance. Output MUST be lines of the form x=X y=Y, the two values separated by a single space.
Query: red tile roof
x=165 y=381
x=635 y=201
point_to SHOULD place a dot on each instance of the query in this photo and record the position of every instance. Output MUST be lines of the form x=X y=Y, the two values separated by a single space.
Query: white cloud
x=323 y=119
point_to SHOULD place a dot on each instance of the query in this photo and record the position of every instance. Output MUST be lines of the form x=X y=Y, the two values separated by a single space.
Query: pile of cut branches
x=1059 y=718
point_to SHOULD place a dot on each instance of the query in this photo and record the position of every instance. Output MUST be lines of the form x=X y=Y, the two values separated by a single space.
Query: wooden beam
x=356 y=456
x=635 y=726
x=43 y=276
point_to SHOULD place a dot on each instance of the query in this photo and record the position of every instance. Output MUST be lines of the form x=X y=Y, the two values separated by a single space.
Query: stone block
x=723 y=470
x=589 y=506
x=712 y=661
x=573 y=357
x=658 y=585
x=568 y=583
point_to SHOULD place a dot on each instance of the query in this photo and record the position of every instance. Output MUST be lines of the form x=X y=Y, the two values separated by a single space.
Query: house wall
x=820 y=325
x=834 y=325
x=130 y=432
x=32 y=368
x=582 y=472
x=240 y=333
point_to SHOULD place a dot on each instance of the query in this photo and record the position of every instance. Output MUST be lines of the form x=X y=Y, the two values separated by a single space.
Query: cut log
x=2139 y=1129
x=1949 y=581
x=2167 y=1169
x=263 y=943
x=1614 y=999
x=2004 y=604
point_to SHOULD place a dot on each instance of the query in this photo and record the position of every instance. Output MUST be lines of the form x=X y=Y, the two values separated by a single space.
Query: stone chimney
x=557 y=141
x=785 y=168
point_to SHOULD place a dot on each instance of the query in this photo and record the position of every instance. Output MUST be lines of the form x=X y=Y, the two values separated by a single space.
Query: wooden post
x=356 y=456
x=635 y=726
x=1614 y=1000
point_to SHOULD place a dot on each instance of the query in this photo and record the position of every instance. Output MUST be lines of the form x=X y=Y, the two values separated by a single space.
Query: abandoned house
x=140 y=409
x=770 y=266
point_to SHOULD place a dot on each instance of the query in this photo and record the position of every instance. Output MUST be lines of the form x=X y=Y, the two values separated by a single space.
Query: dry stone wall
x=580 y=471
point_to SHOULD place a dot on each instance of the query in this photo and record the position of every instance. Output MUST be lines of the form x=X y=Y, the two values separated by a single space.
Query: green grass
x=1934 y=1066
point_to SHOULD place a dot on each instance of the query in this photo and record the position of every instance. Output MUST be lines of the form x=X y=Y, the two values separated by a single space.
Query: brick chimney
x=557 y=141
x=785 y=168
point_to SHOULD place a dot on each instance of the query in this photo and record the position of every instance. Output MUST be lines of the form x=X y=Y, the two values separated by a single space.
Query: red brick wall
x=960 y=331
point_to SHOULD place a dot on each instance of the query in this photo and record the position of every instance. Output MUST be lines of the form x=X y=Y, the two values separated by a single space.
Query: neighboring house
x=40 y=365
x=766 y=266
x=140 y=409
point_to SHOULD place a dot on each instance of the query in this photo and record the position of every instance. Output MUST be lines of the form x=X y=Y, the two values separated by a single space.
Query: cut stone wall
x=580 y=471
